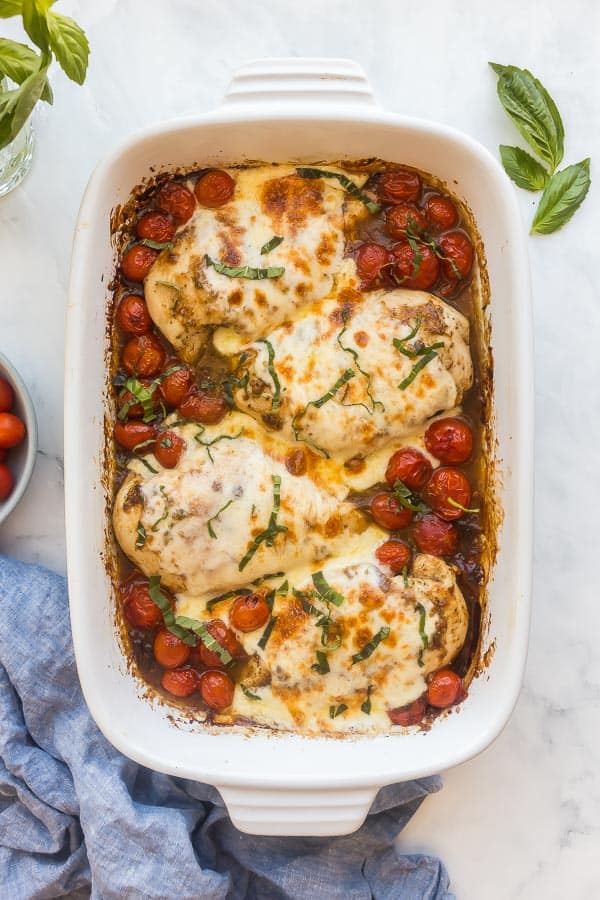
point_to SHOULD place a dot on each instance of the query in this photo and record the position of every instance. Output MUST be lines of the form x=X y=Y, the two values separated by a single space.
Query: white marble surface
x=522 y=820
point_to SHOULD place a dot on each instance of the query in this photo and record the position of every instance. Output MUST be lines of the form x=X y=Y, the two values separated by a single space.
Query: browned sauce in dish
x=216 y=358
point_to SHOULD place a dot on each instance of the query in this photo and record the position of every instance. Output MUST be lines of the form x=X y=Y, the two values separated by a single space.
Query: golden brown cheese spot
x=299 y=262
x=361 y=636
x=293 y=197
x=302 y=289
x=260 y=297
x=326 y=249
x=235 y=298
x=370 y=596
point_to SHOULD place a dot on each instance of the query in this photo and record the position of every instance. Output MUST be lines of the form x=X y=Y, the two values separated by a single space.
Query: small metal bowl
x=20 y=459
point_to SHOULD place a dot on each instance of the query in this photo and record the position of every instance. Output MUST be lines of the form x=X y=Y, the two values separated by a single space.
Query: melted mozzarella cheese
x=187 y=297
x=333 y=379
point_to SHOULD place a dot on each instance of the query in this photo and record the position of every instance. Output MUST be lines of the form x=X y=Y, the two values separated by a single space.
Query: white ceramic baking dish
x=308 y=110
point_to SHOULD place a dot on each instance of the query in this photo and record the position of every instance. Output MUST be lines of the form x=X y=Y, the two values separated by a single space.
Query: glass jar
x=16 y=157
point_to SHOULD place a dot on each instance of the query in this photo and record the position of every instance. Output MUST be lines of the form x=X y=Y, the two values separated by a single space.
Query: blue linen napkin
x=78 y=817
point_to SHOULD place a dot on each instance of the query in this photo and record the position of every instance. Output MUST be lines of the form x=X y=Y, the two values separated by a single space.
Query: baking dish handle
x=298 y=813
x=300 y=80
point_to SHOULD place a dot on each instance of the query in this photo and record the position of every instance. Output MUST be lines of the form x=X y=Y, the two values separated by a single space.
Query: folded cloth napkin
x=77 y=817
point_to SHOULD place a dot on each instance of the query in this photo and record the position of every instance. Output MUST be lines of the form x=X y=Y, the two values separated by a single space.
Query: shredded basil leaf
x=158 y=598
x=325 y=591
x=206 y=638
x=211 y=530
x=166 y=510
x=220 y=437
x=354 y=354
x=352 y=188
x=156 y=245
x=307 y=606
x=145 y=462
x=140 y=393
x=240 y=592
x=322 y=664
x=249 y=693
x=267 y=577
x=342 y=380
x=427 y=358
x=425 y=640
x=268 y=535
x=335 y=711
x=276 y=401
x=458 y=505
x=407 y=499
x=169 y=284
x=270 y=245
x=141 y=535
x=267 y=632
x=244 y=271
x=371 y=645
x=366 y=706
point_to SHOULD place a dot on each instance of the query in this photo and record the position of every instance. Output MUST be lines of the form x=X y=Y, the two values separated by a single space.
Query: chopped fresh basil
x=342 y=380
x=158 y=598
x=325 y=591
x=166 y=509
x=220 y=437
x=458 y=505
x=429 y=354
x=407 y=499
x=145 y=462
x=270 y=245
x=240 y=592
x=244 y=271
x=267 y=632
x=371 y=645
x=335 y=711
x=276 y=401
x=331 y=635
x=268 y=535
x=354 y=354
x=248 y=693
x=267 y=577
x=211 y=530
x=141 y=536
x=322 y=664
x=307 y=606
x=348 y=185
x=169 y=284
x=206 y=638
x=425 y=640
x=366 y=706
x=140 y=393
x=156 y=245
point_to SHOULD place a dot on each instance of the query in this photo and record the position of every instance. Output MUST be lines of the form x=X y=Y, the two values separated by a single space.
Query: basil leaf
x=562 y=197
x=371 y=645
x=158 y=598
x=140 y=394
x=249 y=693
x=335 y=711
x=17 y=105
x=425 y=360
x=344 y=379
x=169 y=284
x=270 y=245
x=352 y=188
x=35 y=22
x=206 y=638
x=325 y=591
x=211 y=530
x=156 y=245
x=145 y=462
x=424 y=639
x=228 y=595
x=165 y=511
x=366 y=706
x=9 y=8
x=141 y=536
x=525 y=171
x=533 y=111
x=244 y=271
x=262 y=643
x=268 y=535
x=354 y=354
x=407 y=499
x=18 y=62
x=276 y=401
x=322 y=664
x=70 y=46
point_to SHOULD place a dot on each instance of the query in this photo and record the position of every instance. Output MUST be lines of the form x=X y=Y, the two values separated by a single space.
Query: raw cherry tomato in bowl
x=18 y=437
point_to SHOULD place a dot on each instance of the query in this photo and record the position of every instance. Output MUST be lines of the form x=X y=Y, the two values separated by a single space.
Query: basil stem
x=276 y=400
x=352 y=188
x=244 y=271
x=371 y=645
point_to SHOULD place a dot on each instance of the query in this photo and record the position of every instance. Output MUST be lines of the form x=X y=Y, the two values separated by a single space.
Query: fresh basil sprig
x=244 y=271
x=536 y=115
x=54 y=35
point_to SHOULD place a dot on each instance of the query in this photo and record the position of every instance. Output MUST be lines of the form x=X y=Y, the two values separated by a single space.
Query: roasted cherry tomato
x=458 y=254
x=134 y=408
x=225 y=637
x=180 y=682
x=156 y=226
x=409 y=466
x=448 y=492
x=137 y=262
x=249 y=612
x=138 y=606
x=389 y=513
x=411 y=714
x=441 y=213
x=216 y=689
x=175 y=386
x=434 y=536
x=176 y=199
x=7 y=395
x=214 y=188
x=168 y=449
x=133 y=316
x=6 y=481
x=444 y=689
x=395 y=554
x=12 y=430
x=370 y=259
x=418 y=268
x=130 y=434
x=143 y=355
x=449 y=440
x=200 y=407
x=169 y=650
x=398 y=186
x=402 y=217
